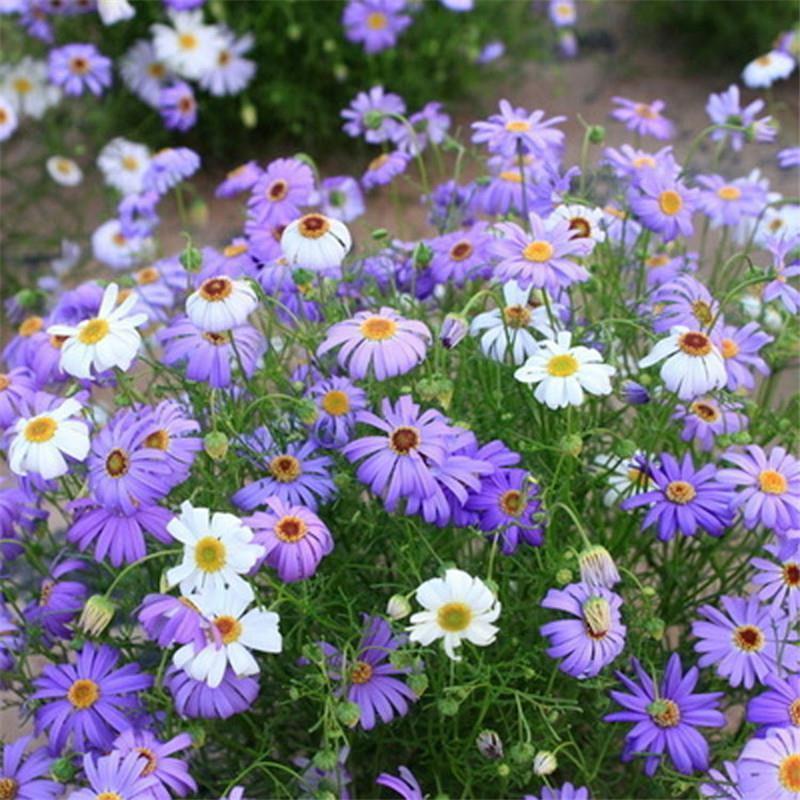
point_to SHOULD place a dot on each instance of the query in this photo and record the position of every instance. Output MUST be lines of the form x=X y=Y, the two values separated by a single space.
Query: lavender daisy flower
x=89 y=700
x=17 y=387
x=241 y=179
x=770 y=486
x=79 y=67
x=726 y=109
x=725 y=785
x=684 y=301
x=137 y=214
x=461 y=256
x=685 y=500
x=398 y=463
x=296 y=475
x=706 y=418
x=196 y=699
x=210 y=357
x=170 y=620
x=789 y=157
x=116 y=775
x=26 y=778
x=168 y=429
x=666 y=717
x=740 y=349
x=279 y=193
x=11 y=640
x=337 y=401
x=539 y=259
x=171 y=775
x=663 y=204
x=114 y=533
x=404 y=784
x=564 y=792
x=780 y=289
x=508 y=508
x=384 y=169
x=769 y=767
x=451 y=205
x=746 y=642
x=375 y=24
x=729 y=202
x=177 y=106
x=630 y=163
x=509 y=188
x=168 y=168
x=19 y=513
x=295 y=539
x=340 y=198
x=430 y=125
x=779 y=579
x=591 y=641
x=516 y=130
x=383 y=343
x=779 y=705
x=59 y=601
x=643 y=118
x=372 y=114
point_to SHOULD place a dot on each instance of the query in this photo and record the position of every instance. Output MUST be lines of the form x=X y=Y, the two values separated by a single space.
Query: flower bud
x=307 y=411
x=597 y=134
x=448 y=706
x=563 y=577
x=215 y=445
x=655 y=628
x=503 y=770
x=293 y=32
x=436 y=388
x=454 y=329
x=490 y=745
x=418 y=683
x=191 y=259
x=422 y=255
x=522 y=753
x=348 y=714
x=544 y=763
x=598 y=567
x=62 y=770
x=248 y=115
x=29 y=298
x=572 y=445
x=379 y=233
x=597 y=615
x=326 y=760
x=634 y=394
x=96 y=615
x=398 y=606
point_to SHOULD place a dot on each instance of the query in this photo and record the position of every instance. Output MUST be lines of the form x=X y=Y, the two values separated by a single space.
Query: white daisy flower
x=585 y=223
x=457 y=607
x=190 y=47
x=221 y=303
x=113 y=11
x=108 y=340
x=563 y=372
x=40 y=442
x=118 y=251
x=763 y=71
x=27 y=88
x=143 y=72
x=233 y=634
x=316 y=242
x=692 y=363
x=64 y=171
x=8 y=118
x=123 y=164
x=231 y=72
x=218 y=550
x=511 y=326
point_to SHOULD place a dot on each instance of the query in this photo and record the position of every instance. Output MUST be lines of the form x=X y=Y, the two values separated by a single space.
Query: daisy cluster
x=511 y=506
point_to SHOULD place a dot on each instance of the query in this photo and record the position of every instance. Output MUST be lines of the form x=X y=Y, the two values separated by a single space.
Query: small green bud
x=436 y=388
x=503 y=770
x=448 y=706
x=96 y=615
x=340 y=72
x=648 y=591
x=348 y=714
x=62 y=770
x=572 y=445
x=191 y=259
x=294 y=693
x=422 y=255
x=215 y=445
x=305 y=158
x=311 y=651
x=418 y=683
x=597 y=134
x=198 y=734
x=522 y=753
x=307 y=411
x=329 y=45
x=294 y=32
x=29 y=298
x=380 y=233
x=742 y=437
x=655 y=628
x=325 y=760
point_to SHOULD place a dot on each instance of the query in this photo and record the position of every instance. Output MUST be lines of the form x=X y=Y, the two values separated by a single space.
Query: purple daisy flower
x=705 y=418
x=770 y=493
x=666 y=717
x=114 y=533
x=516 y=130
x=171 y=775
x=11 y=640
x=779 y=288
x=398 y=463
x=452 y=205
x=124 y=473
x=116 y=775
x=725 y=785
x=170 y=430
x=643 y=118
x=565 y=792
x=210 y=357
x=539 y=259
x=18 y=514
x=769 y=767
x=729 y=202
x=461 y=256
x=629 y=163
x=279 y=193
x=17 y=387
x=196 y=699
x=508 y=507
x=26 y=778
x=90 y=699
x=295 y=539
x=740 y=349
x=137 y=214
x=663 y=204
x=779 y=705
x=746 y=642
x=789 y=157
x=779 y=579
x=591 y=641
x=375 y=24
x=430 y=125
x=171 y=620
x=685 y=500
x=684 y=301
x=337 y=401
x=372 y=114
x=296 y=474
x=59 y=601
x=168 y=168
x=726 y=109
x=509 y=188
x=241 y=179
x=404 y=784
x=664 y=268
x=79 y=67
x=382 y=343
x=384 y=169
x=177 y=106
x=340 y=197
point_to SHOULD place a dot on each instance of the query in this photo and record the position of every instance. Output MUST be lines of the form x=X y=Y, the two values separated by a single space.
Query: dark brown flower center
x=277 y=190
x=461 y=250
x=216 y=289
x=748 y=638
x=694 y=343
x=117 y=463
x=285 y=468
x=361 y=672
x=404 y=439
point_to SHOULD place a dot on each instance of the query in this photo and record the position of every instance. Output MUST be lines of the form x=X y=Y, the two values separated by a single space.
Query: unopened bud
x=249 y=115
x=598 y=568
x=348 y=714
x=29 y=298
x=326 y=760
x=448 y=706
x=398 y=606
x=503 y=770
x=307 y=411
x=655 y=628
x=563 y=577
x=215 y=445
x=454 y=329
x=490 y=745
x=380 y=233
x=62 y=770
x=96 y=615
x=191 y=259
x=572 y=445
x=522 y=753
x=544 y=763
x=597 y=134
x=418 y=683
x=198 y=213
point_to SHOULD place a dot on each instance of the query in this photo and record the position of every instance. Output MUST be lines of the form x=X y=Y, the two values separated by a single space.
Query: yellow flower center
x=643 y=161
x=8 y=788
x=233 y=250
x=659 y=260
x=285 y=468
x=789 y=772
x=22 y=85
x=638 y=477
x=702 y=312
x=665 y=713
x=538 y=251
x=93 y=331
x=563 y=366
x=313 y=226
x=117 y=463
x=680 y=492
x=729 y=348
x=461 y=250
x=705 y=411
x=229 y=628
x=404 y=439
x=378 y=328
x=694 y=343
x=764 y=61
x=84 y=693
x=510 y=176
x=645 y=111
x=290 y=529
x=150 y=757
x=130 y=163
x=110 y=796
x=748 y=638
x=146 y=276
x=378 y=162
x=454 y=617
x=377 y=21
x=791 y=577
x=158 y=440
x=156 y=70
x=40 y=429
x=214 y=290
x=187 y=41
x=63 y=166
x=794 y=713
x=772 y=482
x=336 y=402
x=217 y=339
x=729 y=193
x=517 y=316
x=670 y=202
x=518 y=126
x=361 y=672
x=581 y=228
x=119 y=239
x=210 y=554
x=30 y=326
